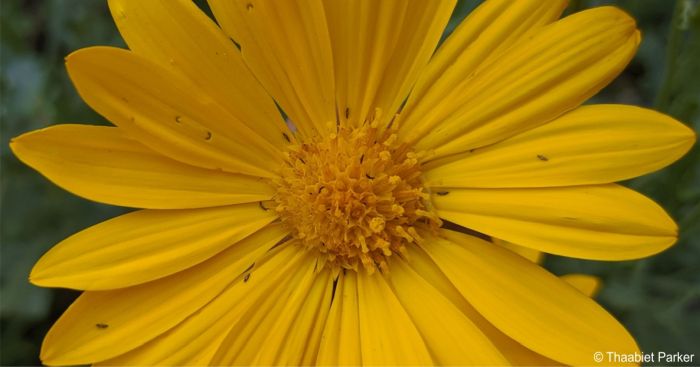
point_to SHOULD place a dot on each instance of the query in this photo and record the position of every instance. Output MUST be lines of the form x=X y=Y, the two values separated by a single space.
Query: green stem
x=663 y=98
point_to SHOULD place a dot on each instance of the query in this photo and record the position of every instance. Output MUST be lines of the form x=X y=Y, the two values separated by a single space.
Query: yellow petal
x=379 y=49
x=178 y=36
x=286 y=45
x=101 y=325
x=488 y=31
x=526 y=302
x=605 y=222
x=167 y=113
x=340 y=340
x=145 y=245
x=514 y=352
x=301 y=345
x=243 y=344
x=285 y=338
x=526 y=252
x=103 y=164
x=388 y=336
x=451 y=337
x=536 y=80
x=590 y=145
x=196 y=340
x=586 y=284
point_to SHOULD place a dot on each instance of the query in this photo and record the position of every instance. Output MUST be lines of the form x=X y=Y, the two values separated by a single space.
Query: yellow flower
x=326 y=241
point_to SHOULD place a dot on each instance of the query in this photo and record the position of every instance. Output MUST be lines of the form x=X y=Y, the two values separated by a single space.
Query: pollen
x=355 y=197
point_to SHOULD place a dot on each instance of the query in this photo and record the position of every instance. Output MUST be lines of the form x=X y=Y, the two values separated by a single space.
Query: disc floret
x=354 y=196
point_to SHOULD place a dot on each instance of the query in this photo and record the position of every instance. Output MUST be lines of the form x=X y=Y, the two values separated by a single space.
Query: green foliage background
x=657 y=298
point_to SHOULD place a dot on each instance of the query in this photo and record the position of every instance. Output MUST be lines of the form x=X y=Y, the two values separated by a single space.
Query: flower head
x=379 y=226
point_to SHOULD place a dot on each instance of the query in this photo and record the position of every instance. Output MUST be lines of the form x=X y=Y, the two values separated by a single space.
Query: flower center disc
x=356 y=196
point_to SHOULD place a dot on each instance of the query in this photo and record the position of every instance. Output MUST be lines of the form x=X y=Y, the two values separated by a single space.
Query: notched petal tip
x=49 y=357
x=33 y=278
x=682 y=135
x=71 y=57
x=41 y=276
x=687 y=135
x=14 y=146
x=80 y=54
x=18 y=145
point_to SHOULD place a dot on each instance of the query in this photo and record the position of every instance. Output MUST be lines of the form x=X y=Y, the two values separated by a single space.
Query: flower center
x=355 y=196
